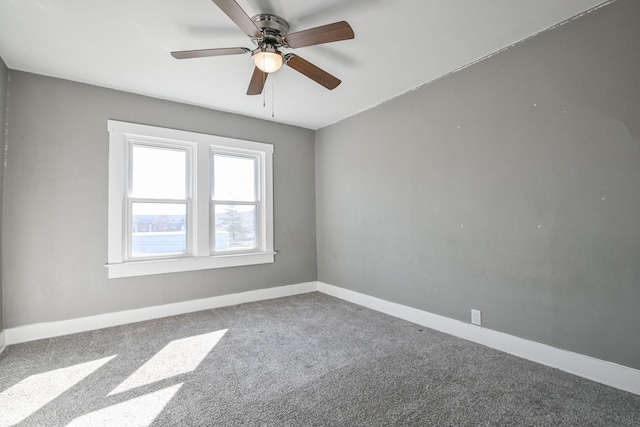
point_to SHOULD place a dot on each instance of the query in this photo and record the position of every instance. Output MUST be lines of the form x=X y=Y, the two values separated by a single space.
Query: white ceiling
x=399 y=45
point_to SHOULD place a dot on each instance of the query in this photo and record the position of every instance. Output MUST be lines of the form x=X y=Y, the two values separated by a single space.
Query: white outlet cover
x=476 y=317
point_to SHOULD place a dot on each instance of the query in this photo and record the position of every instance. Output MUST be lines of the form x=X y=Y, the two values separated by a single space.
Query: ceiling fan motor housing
x=272 y=27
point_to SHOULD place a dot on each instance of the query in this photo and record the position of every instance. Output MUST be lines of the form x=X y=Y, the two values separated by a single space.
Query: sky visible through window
x=161 y=173
x=234 y=178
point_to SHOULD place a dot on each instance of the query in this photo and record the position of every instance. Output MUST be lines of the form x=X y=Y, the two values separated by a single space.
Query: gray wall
x=55 y=203
x=512 y=186
x=4 y=75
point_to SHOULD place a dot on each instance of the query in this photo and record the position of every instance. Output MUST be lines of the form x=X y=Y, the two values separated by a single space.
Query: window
x=157 y=207
x=182 y=201
x=236 y=203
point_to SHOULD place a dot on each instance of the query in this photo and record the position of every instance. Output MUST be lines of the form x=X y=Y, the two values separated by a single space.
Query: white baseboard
x=604 y=372
x=612 y=374
x=38 y=331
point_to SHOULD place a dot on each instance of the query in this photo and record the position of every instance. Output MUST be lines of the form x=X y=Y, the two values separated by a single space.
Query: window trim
x=202 y=256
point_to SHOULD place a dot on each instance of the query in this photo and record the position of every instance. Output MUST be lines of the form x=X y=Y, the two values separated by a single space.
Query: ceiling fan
x=269 y=33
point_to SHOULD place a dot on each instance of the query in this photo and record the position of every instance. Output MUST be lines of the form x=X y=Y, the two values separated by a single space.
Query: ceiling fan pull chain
x=273 y=102
x=264 y=95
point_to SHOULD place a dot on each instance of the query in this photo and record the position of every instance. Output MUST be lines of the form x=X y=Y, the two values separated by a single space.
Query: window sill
x=176 y=265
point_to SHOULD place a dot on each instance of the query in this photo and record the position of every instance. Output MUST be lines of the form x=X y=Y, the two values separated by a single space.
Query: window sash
x=258 y=229
x=257 y=169
x=130 y=256
x=163 y=146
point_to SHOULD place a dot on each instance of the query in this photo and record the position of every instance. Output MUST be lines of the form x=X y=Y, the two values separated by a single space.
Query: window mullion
x=201 y=195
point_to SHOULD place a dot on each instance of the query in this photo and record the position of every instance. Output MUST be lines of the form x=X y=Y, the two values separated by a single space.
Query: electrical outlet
x=476 y=317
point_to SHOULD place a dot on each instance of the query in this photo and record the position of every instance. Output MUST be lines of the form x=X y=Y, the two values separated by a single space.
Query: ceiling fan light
x=268 y=61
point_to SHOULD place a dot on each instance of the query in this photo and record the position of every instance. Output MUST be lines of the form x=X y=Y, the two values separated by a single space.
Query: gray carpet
x=304 y=360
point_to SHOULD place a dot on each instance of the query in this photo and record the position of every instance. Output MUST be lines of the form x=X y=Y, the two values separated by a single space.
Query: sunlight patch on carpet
x=26 y=397
x=178 y=357
x=139 y=411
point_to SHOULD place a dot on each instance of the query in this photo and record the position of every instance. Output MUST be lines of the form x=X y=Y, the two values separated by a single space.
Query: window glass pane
x=158 y=229
x=235 y=227
x=158 y=173
x=234 y=178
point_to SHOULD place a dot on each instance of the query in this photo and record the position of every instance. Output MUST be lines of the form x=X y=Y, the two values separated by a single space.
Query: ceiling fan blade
x=239 y=16
x=202 y=53
x=314 y=73
x=319 y=35
x=257 y=82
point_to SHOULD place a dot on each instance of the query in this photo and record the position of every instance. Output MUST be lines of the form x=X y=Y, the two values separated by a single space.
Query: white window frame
x=200 y=252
